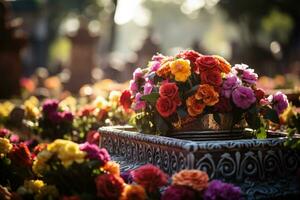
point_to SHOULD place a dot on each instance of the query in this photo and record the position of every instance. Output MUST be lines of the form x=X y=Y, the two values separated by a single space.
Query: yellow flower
x=33 y=186
x=112 y=167
x=47 y=192
x=31 y=107
x=181 y=69
x=67 y=152
x=5 y=146
x=39 y=164
x=6 y=108
x=100 y=102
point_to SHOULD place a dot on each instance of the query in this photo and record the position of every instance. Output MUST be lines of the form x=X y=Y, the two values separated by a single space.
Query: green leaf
x=191 y=91
x=217 y=118
x=151 y=98
x=272 y=115
x=261 y=133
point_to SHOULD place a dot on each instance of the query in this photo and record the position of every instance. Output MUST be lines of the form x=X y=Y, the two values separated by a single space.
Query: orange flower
x=165 y=70
x=207 y=94
x=194 y=107
x=224 y=65
x=112 y=167
x=195 y=179
x=134 y=192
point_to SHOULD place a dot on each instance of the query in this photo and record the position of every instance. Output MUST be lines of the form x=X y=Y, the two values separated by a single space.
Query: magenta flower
x=139 y=104
x=158 y=57
x=50 y=105
x=137 y=74
x=249 y=76
x=176 y=192
x=94 y=152
x=67 y=116
x=55 y=117
x=148 y=88
x=4 y=132
x=133 y=87
x=280 y=102
x=218 y=190
x=155 y=65
x=243 y=97
x=14 y=138
x=231 y=82
x=239 y=68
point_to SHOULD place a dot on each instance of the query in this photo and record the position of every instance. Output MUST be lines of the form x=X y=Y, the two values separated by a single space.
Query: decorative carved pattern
x=252 y=164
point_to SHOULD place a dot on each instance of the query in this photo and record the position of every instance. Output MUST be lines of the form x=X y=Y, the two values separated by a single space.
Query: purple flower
x=4 y=132
x=126 y=176
x=67 y=116
x=243 y=97
x=94 y=152
x=139 y=104
x=176 y=192
x=231 y=82
x=239 y=68
x=50 y=105
x=148 y=88
x=137 y=74
x=280 y=102
x=133 y=86
x=55 y=117
x=155 y=65
x=249 y=76
x=218 y=190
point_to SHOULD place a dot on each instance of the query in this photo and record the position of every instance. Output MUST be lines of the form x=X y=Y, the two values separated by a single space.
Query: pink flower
x=280 y=102
x=150 y=177
x=93 y=137
x=148 y=88
x=243 y=97
x=94 y=152
x=231 y=82
x=133 y=86
x=158 y=57
x=239 y=68
x=139 y=104
x=155 y=65
x=249 y=76
x=4 y=132
x=14 y=138
x=137 y=74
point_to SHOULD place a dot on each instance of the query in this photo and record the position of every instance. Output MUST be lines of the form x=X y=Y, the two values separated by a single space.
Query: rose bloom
x=134 y=192
x=176 y=192
x=194 y=107
x=125 y=99
x=239 y=68
x=259 y=94
x=166 y=106
x=249 y=76
x=133 y=86
x=150 y=177
x=112 y=168
x=154 y=65
x=211 y=77
x=109 y=186
x=230 y=83
x=165 y=70
x=139 y=104
x=219 y=190
x=190 y=55
x=207 y=94
x=243 y=97
x=280 y=102
x=148 y=87
x=224 y=65
x=181 y=69
x=206 y=63
x=169 y=90
x=195 y=179
x=137 y=74
x=21 y=155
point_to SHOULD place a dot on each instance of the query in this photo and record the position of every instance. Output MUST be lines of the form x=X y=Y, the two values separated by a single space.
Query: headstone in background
x=12 y=40
x=82 y=59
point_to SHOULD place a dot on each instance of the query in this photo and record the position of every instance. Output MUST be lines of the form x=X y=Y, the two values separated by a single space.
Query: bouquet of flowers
x=175 y=91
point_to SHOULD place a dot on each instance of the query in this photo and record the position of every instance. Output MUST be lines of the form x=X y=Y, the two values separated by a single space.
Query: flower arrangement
x=174 y=91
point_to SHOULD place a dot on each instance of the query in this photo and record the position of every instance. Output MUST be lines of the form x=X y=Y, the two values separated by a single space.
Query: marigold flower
x=181 y=69
x=207 y=94
x=224 y=65
x=134 y=192
x=165 y=70
x=194 y=107
x=5 y=146
x=150 y=177
x=112 y=168
x=195 y=179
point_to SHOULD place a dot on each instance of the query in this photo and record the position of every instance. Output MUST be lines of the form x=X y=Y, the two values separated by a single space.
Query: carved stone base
x=262 y=168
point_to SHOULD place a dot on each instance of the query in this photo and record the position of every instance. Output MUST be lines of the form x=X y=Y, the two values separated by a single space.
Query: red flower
x=166 y=106
x=86 y=111
x=93 y=137
x=169 y=90
x=211 y=77
x=150 y=177
x=259 y=94
x=125 y=99
x=190 y=55
x=109 y=186
x=205 y=62
x=223 y=106
x=21 y=155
